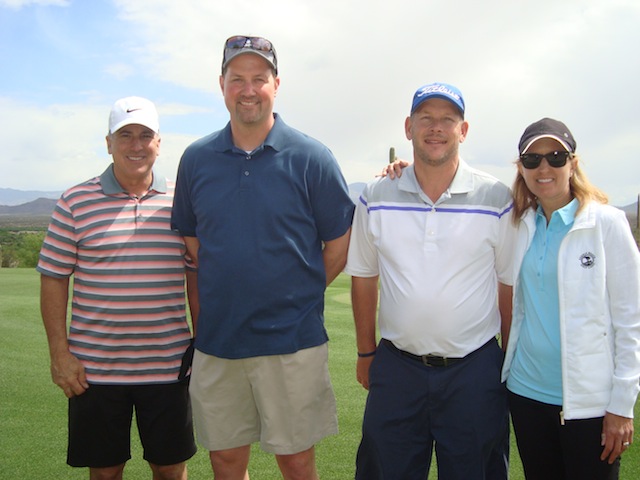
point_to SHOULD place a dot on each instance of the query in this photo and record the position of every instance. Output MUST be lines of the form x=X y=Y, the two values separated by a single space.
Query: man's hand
x=362 y=370
x=68 y=373
x=394 y=169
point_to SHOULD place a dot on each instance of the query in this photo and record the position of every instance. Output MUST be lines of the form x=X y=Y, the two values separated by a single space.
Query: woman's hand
x=617 y=436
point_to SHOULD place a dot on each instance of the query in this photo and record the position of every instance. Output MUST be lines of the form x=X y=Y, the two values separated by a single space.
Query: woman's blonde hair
x=579 y=186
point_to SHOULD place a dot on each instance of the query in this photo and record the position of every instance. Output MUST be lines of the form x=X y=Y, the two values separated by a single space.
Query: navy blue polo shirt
x=261 y=218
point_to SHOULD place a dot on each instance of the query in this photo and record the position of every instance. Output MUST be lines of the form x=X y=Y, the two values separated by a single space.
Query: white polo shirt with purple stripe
x=128 y=323
x=439 y=263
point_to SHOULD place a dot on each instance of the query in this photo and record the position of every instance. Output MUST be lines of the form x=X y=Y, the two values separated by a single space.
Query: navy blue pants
x=552 y=451
x=461 y=409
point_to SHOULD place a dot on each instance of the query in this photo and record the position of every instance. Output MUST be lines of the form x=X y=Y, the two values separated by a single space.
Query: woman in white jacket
x=572 y=364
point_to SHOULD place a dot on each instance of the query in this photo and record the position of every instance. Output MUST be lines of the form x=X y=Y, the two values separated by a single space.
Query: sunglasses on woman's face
x=555 y=159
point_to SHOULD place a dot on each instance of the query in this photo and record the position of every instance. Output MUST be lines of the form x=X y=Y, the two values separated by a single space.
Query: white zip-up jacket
x=599 y=296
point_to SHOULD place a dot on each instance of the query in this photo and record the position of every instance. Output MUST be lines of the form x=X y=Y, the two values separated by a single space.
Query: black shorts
x=100 y=424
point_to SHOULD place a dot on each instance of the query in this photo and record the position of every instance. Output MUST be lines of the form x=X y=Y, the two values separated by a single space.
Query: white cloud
x=119 y=71
x=173 y=109
x=18 y=4
x=171 y=150
x=49 y=148
x=349 y=70
x=65 y=144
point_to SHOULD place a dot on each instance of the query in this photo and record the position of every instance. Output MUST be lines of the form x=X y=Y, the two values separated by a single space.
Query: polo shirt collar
x=567 y=213
x=110 y=185
x=462 y=181
x=276 y=139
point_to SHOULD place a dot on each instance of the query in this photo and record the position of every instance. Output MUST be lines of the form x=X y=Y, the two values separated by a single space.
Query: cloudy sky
x=348 y=70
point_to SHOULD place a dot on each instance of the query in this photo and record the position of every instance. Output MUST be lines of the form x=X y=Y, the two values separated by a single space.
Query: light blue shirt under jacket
x=536 y=372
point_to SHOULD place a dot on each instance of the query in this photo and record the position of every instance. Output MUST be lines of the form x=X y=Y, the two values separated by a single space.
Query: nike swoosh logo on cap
x=129 y=110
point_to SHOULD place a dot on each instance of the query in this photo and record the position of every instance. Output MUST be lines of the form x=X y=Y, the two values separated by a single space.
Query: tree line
x=20 y=249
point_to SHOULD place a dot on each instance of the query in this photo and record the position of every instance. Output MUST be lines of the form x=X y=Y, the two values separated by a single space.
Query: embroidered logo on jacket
x=587 y=260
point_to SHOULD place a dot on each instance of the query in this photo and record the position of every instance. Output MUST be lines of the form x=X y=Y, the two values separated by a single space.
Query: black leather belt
x=431 y=360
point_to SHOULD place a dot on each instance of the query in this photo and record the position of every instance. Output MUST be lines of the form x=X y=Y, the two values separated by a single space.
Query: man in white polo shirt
x=437 y=240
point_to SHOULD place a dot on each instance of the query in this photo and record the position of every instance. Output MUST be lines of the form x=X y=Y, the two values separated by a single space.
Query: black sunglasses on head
x=555 y=159
x=254 y=43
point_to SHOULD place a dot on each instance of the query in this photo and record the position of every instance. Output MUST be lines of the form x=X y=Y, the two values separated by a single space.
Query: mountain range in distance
x=10 y=197
x=34 y=202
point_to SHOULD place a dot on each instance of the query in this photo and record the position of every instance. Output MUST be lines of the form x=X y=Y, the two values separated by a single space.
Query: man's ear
x=407 y=128
x=276 y=81
x=464 y=130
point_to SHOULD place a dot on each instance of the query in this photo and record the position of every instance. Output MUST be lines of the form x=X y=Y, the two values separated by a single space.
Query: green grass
x=33 y=410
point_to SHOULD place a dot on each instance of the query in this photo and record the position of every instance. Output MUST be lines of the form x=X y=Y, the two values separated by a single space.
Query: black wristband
x=364 y=355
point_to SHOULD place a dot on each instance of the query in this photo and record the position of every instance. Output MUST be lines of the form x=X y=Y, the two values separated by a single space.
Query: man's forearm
x=54 y=298
x=334 y=256
x=193 y=298
x=505 y=294
x=364 y=300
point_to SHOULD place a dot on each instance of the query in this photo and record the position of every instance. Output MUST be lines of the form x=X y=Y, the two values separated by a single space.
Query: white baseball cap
x=133 y=110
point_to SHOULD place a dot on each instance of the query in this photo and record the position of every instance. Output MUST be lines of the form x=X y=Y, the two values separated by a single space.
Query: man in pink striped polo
x=128 y=332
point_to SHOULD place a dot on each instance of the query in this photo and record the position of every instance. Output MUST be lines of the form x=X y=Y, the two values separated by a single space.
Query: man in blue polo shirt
x=265 y=211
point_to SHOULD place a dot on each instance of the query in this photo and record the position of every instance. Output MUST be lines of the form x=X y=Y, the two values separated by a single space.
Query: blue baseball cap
x=438 y=90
